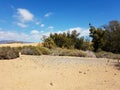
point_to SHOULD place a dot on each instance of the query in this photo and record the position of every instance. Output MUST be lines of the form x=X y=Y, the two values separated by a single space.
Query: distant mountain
x=11 y=41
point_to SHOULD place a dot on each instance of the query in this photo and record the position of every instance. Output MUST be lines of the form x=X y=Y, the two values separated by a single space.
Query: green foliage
x=8 y=53
x=97 y=35
x=43 y=50
x=69 y=40
x=112 y=37
x=107 y=38
x=30 y=50
x=49 y=43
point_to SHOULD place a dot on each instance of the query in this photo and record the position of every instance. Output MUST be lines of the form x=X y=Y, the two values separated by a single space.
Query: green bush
x=49 y=43
x=30 y=50
x=43 y=50
x=8 y=53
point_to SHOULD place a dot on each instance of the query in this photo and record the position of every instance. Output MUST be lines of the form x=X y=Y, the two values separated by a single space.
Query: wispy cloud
x=37 y=23
x=48 y=14
x=33 y=35
x=34 y=32
x=24 y=15
x=42 y=25
x=7 y=35
x=22 y=25
x=50 y=27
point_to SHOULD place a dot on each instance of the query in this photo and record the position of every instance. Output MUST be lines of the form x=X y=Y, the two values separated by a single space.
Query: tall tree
x=97 y=37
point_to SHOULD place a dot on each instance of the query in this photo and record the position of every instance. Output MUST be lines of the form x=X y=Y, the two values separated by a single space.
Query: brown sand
x=58 y=73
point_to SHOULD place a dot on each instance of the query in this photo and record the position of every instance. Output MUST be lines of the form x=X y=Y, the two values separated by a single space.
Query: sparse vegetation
x=109 y=55
x=30 y=50
x=43 y=50
x=8 y=53
x=68 y=52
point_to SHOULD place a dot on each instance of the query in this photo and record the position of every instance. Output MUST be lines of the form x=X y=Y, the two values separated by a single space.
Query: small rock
x=51 y=84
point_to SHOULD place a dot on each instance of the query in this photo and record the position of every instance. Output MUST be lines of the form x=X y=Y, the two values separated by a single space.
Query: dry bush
x=68 y=52
x=43 y=50
x=8 y=53
x=30 y=50
x=110 y=55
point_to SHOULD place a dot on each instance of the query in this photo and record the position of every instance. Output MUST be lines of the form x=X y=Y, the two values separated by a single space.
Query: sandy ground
x=58 y=73
x=19 y=44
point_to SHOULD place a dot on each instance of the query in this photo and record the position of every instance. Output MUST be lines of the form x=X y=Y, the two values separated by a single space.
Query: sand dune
x=58 y=73
x=19 y=44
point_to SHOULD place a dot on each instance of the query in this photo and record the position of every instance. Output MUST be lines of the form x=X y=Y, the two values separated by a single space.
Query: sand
x=19 y=44
x=58 y=73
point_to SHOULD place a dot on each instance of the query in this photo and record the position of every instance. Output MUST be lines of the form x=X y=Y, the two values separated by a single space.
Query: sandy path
x=58 y=73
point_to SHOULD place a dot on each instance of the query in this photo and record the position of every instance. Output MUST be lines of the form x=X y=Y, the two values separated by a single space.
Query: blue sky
x=28 y=20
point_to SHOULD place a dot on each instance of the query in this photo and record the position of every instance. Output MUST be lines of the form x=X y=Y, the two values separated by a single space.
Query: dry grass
x=68 y=52
x=109 y=55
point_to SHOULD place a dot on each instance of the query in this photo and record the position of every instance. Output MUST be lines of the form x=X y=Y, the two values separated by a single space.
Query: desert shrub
x=49 y=43
x=30 y=50
x=43 y=50
x=18 y=48
x=68 y=52
x=8 y=53
x=110 y=55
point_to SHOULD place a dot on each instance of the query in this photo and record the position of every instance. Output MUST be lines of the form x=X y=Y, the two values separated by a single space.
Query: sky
x=29 y=20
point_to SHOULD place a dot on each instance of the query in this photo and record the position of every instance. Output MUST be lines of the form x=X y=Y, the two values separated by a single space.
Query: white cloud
x=37 y=23
x=6 y=35
x=36 y=35
x=34 y=32
x=42 y=25
x=50 y=27
x=24 y=15
x=48 y=14
x=22 y=25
